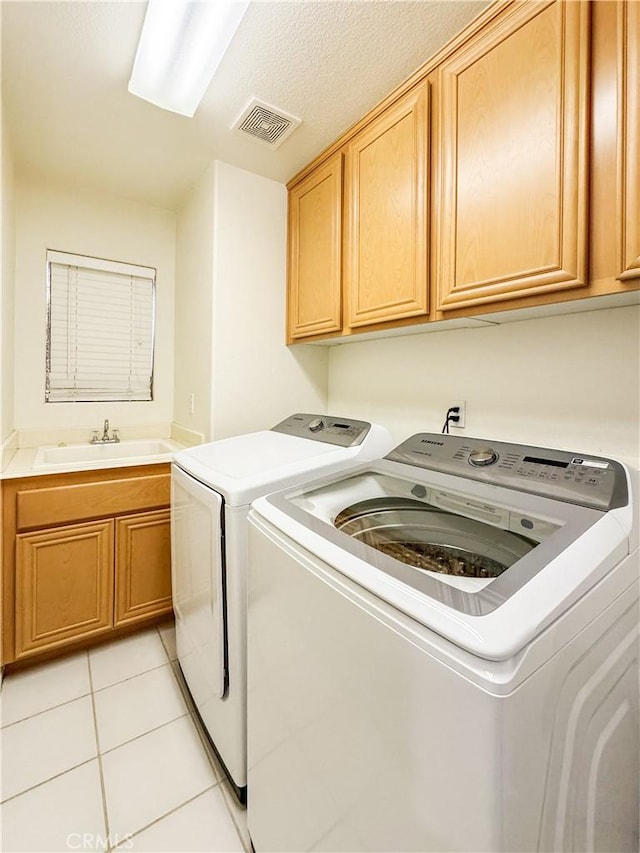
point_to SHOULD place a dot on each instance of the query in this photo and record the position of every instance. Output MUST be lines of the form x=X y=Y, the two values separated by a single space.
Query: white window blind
x=100 y=330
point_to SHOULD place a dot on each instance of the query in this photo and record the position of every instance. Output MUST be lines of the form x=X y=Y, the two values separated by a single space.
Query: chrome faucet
x=106 y=439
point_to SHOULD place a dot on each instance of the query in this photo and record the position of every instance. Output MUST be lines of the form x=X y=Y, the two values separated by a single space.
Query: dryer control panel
x=578 y=478
x=343 y=432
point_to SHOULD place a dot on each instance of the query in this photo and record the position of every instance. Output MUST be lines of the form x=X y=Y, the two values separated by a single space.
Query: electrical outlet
x=192 y=403
x=462 y=406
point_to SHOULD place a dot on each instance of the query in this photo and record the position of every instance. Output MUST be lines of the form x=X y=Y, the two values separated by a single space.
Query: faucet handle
x=115 y=434
x=94 y=437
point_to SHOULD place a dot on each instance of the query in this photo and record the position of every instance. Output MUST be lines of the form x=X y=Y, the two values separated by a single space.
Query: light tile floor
x=101 y=750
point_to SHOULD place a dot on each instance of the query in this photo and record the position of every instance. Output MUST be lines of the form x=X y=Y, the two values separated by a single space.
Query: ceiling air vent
x=266 y=123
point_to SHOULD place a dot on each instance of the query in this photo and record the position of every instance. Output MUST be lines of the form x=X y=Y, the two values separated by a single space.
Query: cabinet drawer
x=82 y=501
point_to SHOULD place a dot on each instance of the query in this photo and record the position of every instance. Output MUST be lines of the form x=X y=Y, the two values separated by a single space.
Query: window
x=100 y=330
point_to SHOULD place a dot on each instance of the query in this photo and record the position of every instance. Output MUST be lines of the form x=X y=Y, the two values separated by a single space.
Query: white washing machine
x=212 y=486
x=443 y=654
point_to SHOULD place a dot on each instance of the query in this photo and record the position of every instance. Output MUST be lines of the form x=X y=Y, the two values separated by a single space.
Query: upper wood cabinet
x=315 y=256
x=386 y=196
x=512 y=213
x=628 y=183
x=504 y=174
x=615 y=140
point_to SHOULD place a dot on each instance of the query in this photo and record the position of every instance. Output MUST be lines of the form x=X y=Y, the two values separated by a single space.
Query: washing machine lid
x=484 y=565
x=244 y=467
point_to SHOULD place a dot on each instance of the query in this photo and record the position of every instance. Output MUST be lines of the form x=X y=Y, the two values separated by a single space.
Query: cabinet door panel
x=386 y=247
x=315 y=252
x=143 y=566
x=64 y=585
x=629 y=140
x=512 y=219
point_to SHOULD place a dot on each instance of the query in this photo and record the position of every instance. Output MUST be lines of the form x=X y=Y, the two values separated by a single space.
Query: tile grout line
x=227 y=796
x=164 y=645
x=171 y=663
x=129 y=678
x=173 y=810
x=218 y=770
x=142 y=734
x=105 y=812
x=45 y=710
x=49 y=779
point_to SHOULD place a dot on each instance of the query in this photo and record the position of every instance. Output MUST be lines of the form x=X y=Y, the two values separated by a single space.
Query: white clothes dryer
x=443 y=654
x=212 y=486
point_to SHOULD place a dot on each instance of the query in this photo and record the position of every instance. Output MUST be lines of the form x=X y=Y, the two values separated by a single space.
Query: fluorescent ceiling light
x=181 y=46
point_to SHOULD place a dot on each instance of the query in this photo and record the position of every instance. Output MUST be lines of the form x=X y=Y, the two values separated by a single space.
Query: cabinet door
x=615 y=141
x=629 y=140
x=315 y=252
x=512 y=161
x=143 y=566
x=64 y=585
x=386 y=247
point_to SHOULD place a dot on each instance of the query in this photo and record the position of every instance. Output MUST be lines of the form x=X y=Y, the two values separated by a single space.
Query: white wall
x=7 y=287
x=571 y=381
x=193 y=307
x=101 y=226
x=257 y=379
x=230 y=310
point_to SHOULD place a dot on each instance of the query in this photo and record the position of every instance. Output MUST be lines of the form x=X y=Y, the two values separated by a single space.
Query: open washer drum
x=426 y=537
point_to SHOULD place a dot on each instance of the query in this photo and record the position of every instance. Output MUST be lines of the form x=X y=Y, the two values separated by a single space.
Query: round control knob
x=485 y=456
x=316 y=425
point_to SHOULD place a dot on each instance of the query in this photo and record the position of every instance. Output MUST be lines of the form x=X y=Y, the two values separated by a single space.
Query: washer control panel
x=583 y=479
x=343 y=432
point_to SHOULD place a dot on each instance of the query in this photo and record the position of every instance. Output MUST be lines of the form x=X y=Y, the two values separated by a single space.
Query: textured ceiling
x=66 y=65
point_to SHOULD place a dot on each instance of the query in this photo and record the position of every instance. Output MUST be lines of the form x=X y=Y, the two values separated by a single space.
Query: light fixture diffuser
x=180 y=48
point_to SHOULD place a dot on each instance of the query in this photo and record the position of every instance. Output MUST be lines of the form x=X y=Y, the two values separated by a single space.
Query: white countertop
x=21 y=463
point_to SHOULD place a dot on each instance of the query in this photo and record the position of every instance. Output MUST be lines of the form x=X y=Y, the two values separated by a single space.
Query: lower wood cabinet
x=143 y=566
x=64 y=585
x=71 y=574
